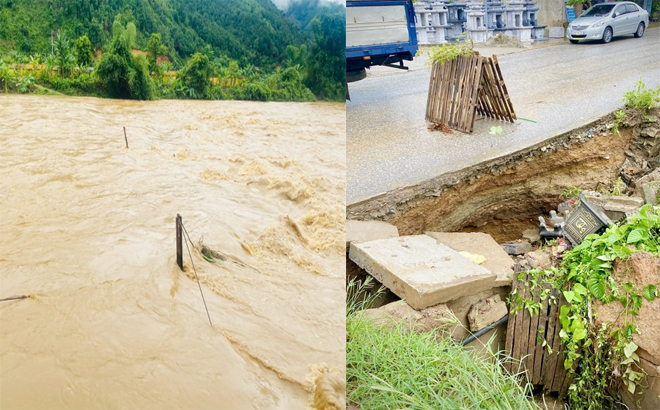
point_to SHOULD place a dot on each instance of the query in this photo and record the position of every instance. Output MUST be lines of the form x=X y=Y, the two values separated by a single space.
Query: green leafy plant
x=599 y=358
x=24 y=83
x=619 y=120
x=642 y=98
x=617 y=187
x=63 y=55
x=447 y=52
x=570 y=192
x=83 y=51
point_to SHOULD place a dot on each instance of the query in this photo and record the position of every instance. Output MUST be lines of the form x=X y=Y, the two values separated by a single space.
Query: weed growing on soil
x=619 y=120
x=642 y=98
x=394 y=367
x=598 y=359
x=570 y=192
x=617 y=187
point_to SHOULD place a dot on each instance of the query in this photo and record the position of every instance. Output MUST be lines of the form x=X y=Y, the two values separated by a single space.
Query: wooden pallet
x=522 y=342
x=460 y=88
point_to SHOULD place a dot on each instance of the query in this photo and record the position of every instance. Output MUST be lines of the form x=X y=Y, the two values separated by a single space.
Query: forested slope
x=253 y=31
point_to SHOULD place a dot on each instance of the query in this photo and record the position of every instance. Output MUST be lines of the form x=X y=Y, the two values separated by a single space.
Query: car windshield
x=599 y=10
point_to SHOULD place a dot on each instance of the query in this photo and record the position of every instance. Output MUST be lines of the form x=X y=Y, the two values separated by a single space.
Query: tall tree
x=83 y=50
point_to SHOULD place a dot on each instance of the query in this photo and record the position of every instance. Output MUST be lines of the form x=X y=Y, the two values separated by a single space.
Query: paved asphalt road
x=561 y=87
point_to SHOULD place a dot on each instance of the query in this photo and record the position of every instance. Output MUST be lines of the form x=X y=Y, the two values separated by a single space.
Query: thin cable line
x=195 y=270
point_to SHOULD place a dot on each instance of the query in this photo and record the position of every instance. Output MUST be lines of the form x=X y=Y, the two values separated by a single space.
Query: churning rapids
x=87 y=229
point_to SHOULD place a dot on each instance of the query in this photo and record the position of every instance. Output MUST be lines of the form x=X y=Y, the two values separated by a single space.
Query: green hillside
x=250 y=31
x=218 y=49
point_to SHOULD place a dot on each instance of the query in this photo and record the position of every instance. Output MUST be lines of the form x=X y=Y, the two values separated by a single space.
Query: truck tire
x=357 y=75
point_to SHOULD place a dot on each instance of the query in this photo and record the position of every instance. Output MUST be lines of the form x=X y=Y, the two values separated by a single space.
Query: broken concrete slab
x=461 y=307
x=421 y=270
x=497 y=261
x=486 y=312
x=516 y=248
x=540 y=259
x=653 y=176
x=433 y=317
x=620 y=206
x=532 y=235
x=650 y=190
x=365 y=231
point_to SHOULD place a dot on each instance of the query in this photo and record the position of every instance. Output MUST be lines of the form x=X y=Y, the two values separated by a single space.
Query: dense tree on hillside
x=326 y=71
x=155 y=48
x=196 y=76
x=123 y=75
x=251 y=48
x=250 y=31
x=83 y=51
x=63 y=55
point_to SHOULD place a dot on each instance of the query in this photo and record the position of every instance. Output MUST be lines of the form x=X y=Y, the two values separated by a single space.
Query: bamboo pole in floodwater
x=14 y=298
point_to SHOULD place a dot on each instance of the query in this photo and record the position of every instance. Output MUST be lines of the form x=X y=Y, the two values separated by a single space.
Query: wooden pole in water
x=125 y=137
x=179 y=243
x=14 y=298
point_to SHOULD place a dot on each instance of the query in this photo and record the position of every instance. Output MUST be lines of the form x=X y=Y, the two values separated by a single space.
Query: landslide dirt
x=505 y=196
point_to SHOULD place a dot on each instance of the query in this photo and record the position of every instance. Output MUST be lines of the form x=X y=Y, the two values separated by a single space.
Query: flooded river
x=87 y=229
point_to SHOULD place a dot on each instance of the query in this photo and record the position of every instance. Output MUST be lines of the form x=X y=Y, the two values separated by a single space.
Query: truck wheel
x=357 y=75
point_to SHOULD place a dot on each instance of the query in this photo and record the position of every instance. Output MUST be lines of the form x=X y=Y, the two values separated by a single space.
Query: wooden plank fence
x=462 y=87
x=522 y=342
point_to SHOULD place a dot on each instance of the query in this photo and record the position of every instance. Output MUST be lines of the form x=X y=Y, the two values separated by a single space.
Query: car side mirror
x=615 y=15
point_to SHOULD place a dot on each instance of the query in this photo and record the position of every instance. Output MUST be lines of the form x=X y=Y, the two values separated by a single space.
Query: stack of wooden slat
x=525 y=334
x=461 y=87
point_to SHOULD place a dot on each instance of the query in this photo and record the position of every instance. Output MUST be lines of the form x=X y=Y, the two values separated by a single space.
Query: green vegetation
x=595 y=354
x=196 y=75
x=619 y=121
x=221 y=49
x=617 y=187
x=122 y=75
x=570 y=192
x=393 y=367
x=447 y=52
x=642 y=98
x=83 y=51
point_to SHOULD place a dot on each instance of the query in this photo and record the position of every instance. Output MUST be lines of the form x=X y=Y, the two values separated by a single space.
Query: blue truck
x=378 y=32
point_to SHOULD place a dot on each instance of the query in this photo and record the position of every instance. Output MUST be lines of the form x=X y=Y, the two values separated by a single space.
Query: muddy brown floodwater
x=87 y=230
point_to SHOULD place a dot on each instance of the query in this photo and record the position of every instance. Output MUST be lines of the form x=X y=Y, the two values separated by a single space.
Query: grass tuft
x=393 y=367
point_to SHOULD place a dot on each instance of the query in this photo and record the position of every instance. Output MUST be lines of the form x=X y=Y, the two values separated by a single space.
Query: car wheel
x=607 y=35
x=640 y=30
x=573 y=41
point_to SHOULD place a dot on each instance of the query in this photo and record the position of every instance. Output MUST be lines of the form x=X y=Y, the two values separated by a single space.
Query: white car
x=607 y=20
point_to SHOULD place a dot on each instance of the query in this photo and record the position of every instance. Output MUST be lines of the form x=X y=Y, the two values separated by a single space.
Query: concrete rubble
x=650 y=191
x=424 y=320
x=420 y=270
x=497 y=261
x=486 y=312
x=620 y=206
x=456 y=286
x=517 y=248
x=364 y=231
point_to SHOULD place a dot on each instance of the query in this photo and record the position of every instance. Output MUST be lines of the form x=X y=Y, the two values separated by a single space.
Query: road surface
x=561 y=88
